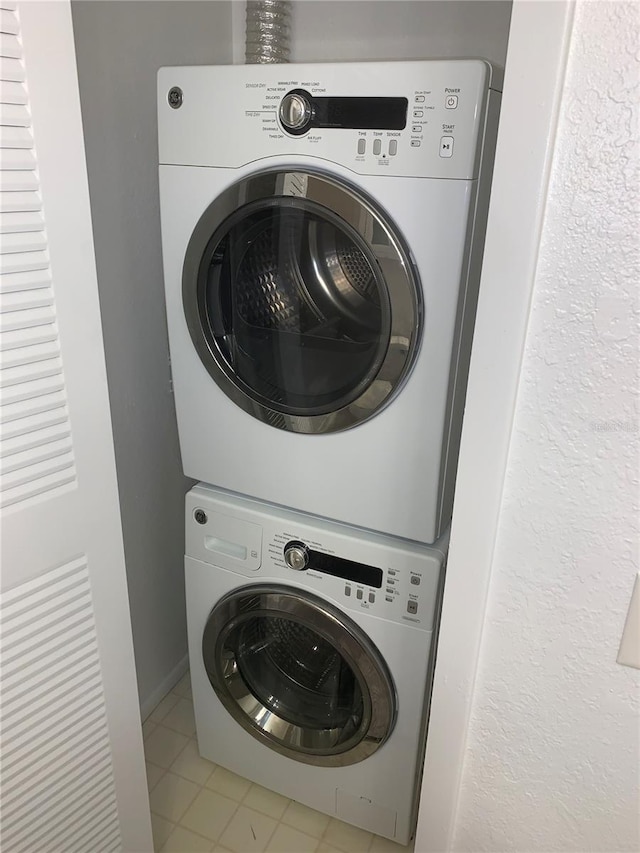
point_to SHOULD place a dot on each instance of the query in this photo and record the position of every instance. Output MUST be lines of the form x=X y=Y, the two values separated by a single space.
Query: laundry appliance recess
x=322 y=235
x=311 y=649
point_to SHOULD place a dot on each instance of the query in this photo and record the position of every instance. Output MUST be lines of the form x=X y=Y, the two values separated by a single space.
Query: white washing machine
x=311 y=647
x=322 y=233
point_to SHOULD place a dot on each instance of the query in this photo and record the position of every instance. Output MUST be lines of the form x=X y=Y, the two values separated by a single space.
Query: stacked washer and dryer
x=322 y=234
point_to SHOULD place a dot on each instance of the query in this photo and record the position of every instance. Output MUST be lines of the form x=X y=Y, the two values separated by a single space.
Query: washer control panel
x=419 y=119
x=358 y=570
x=393 y=589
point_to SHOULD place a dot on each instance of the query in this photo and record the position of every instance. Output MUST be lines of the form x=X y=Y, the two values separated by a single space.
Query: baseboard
x=147 y=706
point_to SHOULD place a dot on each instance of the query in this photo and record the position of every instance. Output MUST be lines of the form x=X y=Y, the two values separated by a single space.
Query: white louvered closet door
x=72 y=762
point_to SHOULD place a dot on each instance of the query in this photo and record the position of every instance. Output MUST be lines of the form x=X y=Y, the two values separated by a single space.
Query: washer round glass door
x=299 y=675
x=301 y=301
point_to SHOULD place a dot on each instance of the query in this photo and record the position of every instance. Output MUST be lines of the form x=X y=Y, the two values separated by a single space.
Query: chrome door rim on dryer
x=364 y=726
x=325 y=290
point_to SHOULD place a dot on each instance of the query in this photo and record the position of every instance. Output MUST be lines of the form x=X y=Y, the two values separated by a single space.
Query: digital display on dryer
x=300 y=111
x=360 y=113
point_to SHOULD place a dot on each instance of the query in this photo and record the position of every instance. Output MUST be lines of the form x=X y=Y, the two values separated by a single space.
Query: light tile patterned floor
x=198 y=806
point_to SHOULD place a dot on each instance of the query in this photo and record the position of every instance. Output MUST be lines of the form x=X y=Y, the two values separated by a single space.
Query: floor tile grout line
x=215 y=840
x=273 y=831
x=157 y=722
x=171 y=692
x=306 y=834
x=195 y=740
x=173 y=826
x=192 y=831
x=248 y=791
x=172 y=728
x=159 y=777
x=177 y=820
x=182 y=749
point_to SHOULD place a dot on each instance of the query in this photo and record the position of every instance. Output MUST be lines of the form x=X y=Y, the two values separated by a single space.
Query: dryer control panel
x=418 y=119
x=356 y=569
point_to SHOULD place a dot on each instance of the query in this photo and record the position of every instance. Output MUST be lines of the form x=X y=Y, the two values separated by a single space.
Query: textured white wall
x=553 y=746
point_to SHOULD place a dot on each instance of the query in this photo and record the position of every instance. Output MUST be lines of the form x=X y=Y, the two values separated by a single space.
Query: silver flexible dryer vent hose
x=267 y=33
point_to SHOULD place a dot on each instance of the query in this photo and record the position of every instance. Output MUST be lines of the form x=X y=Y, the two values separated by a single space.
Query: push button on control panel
x=446 y=146
x=451 y=102
x=362 y=146
x=377 y=146
x=393 y=148
x=418 y=113
x=412 y=607
x=372 y=597
x=415 y=580
x=359 y=594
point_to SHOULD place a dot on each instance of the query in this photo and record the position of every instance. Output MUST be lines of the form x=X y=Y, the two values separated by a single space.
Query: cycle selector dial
x=296 y=556
x=295 y=112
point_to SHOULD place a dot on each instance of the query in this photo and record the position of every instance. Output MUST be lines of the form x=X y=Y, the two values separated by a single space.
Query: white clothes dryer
x=322 y=234
x=311 y=648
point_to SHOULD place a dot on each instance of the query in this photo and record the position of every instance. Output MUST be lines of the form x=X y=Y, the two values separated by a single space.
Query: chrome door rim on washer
x=349 y=641
x=394 y=269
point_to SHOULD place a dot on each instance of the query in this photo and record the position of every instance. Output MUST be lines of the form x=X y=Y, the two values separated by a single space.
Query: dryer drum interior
x=307 y=315
x=301 y=305
x=299 y=676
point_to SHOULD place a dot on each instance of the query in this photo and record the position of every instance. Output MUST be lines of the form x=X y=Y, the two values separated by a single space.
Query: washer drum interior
x=299 y=675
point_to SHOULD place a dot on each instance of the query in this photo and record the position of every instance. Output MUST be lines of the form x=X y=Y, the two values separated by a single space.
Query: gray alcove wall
x=119 y=47
x=347 y=30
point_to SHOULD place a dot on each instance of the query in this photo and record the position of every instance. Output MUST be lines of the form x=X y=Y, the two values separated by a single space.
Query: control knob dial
x=295 y=111
x=296 y=556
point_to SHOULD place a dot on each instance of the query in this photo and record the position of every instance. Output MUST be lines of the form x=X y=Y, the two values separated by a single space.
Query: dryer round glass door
x=301 y=301
x=299 y=675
